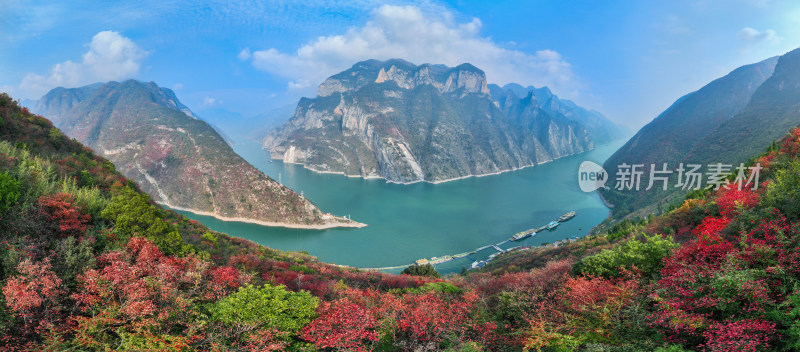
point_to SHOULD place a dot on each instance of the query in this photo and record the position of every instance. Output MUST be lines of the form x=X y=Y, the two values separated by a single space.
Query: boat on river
x=567 y=216
x=523 y=235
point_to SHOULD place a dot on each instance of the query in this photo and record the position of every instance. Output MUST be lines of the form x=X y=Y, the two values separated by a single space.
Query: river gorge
x=423 y=220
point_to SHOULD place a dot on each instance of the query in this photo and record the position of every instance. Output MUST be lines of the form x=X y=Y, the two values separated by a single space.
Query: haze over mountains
x=727 y=121
x=178 y=159
x=407 y=123
x=236 y=127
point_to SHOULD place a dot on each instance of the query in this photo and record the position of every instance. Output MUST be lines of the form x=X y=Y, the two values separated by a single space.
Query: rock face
x=599 y=127
x=179 y=160
x=407 y=123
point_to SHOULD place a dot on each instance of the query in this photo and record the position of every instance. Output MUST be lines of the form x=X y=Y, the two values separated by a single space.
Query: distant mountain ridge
x=178 y=159
x=599 y=127
x=726 y=121
x=407 y=123
x=237 y=127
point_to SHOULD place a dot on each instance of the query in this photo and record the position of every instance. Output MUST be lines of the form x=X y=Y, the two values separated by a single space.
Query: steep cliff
x=407 y=123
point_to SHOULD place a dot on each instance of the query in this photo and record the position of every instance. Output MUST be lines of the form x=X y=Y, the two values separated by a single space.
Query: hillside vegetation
x=89 y=263
x=727 y=121
x=179 y=160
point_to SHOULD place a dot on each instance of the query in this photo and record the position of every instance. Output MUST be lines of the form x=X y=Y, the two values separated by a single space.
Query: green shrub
x=133 y=214
x=421 y=270
x=302 y=269
x=9 y=192
x=75 y=257
x=444 y=287
x=266 y=307
x=644 y=256
x=784 y=191
x=211 y=238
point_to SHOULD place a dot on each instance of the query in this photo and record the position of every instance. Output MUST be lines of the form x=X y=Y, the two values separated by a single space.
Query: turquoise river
x=423 y=220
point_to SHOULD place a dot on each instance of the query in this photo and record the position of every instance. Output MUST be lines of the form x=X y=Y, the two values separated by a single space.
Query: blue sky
x=627 y=59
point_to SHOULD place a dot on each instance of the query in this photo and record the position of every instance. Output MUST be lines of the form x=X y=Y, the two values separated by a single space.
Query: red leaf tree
x=60 y=208
x=343 y=324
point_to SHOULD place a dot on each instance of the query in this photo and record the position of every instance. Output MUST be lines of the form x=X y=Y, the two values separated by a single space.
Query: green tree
x=9 y=192
x=55 y=136
x=444 y=287
x=133 y=214
x=421 y=270
x=75 y=257
x=644 y=256
x=266 y=307
x=784 y=191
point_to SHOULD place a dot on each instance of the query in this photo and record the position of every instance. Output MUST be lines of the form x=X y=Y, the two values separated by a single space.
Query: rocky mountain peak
x=407 y=76
x=410 y=123
x=468 y=77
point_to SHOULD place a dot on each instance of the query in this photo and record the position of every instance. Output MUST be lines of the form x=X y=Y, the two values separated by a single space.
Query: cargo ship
x=567 y=216
x=522 y=235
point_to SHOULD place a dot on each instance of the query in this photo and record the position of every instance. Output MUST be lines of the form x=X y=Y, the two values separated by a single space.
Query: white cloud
x=208 y=102
x=110 y=57
x=408 y=33
x=244 y=54
x=752 y=36
x=177 y=86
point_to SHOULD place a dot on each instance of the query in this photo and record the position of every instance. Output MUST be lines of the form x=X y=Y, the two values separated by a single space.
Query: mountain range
x=726 y=121
x=179 y=160
x=407 y=123
x=87 y=263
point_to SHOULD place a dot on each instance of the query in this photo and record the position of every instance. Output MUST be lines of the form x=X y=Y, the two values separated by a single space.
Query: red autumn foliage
x=343 y=324
x=143 y=283
x=745 y=335
x=791 y=145
x=430 y=318
x=729 y=199
x=35 y=297
x=532 y=284
x=597 y=297
x=711 y=227
x=35 y=287
x=266 y=340
x=685 y=294
x=224 y=280
x=700 y=304
x=767 y=159
x=60 y=208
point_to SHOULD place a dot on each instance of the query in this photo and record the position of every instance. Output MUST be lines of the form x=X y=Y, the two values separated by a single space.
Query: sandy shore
x=268 y=223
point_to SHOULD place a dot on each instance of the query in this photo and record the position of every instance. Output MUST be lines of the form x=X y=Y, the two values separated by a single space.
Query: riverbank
x=436 y=182
x=408 y=222
x=606 y=202
x=344 y=222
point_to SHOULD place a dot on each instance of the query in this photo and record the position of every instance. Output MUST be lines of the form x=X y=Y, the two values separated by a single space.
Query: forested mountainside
x=727 y=121
x=179 y=160
x=408 y=123
x=89 y=263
